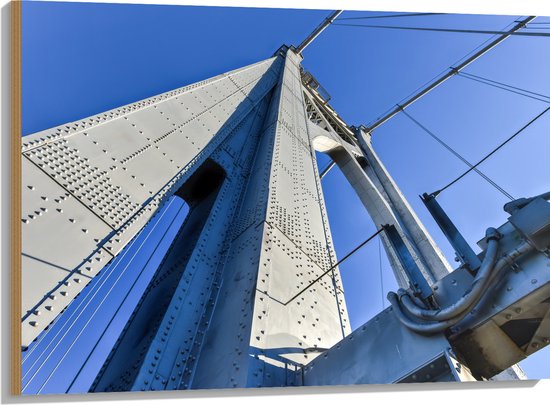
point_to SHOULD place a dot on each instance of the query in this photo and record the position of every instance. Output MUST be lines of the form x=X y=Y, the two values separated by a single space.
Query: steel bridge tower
x=249 y=293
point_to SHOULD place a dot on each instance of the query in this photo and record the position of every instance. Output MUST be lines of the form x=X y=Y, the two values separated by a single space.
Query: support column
x=381 y=213
x=424 y=245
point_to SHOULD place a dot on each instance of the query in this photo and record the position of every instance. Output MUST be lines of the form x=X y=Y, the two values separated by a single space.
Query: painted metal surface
x=382 y=351
x=510 y=323
x=91 y=185
x=216 y=311
x=67 y=357
x=385 y=203
x=247 y=245
x=464 y=252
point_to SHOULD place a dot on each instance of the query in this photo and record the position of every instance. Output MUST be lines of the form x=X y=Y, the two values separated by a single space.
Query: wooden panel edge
x=15 y=285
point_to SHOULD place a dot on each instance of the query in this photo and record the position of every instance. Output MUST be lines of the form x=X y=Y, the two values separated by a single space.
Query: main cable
x=443 y=73
x=387 y=16
x=455 y=30
x=473 y=55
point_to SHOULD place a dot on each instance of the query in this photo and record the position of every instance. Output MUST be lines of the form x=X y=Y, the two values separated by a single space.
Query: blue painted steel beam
x=463 y=250
x=416 y=279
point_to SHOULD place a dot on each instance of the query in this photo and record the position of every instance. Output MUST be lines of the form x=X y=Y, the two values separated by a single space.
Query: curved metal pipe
x=508 y=259
x=428 y=328
x=478 y=285
x=418 y=302
x=515 y=205
x=432 y=327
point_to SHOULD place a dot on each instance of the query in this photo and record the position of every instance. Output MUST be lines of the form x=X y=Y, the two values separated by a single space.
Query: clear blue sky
x=82 y=59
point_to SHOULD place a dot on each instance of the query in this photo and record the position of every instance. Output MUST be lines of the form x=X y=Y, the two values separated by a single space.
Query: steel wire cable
x=504 y=86
x=388 y=16
x=381 y=272
x=90 y=295
x=460 y=157
x=492 y=152
x=342 y=260
x=376 y=122
x=454 y=30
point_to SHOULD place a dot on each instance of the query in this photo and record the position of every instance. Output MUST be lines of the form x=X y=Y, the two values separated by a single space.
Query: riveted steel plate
x=119 y=167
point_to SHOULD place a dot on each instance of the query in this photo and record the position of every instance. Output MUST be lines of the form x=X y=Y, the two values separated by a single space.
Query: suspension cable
x=327 y=168
x=387 y=16
x=507 y=87
x=336 y=265
x=456 y=30
x=460 y=157
x=459 y=65
x=381 y=272
x=492 y=152
x=320 y=28
x=440 y=77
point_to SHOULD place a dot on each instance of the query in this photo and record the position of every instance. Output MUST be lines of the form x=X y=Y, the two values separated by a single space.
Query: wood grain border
x=15 y=281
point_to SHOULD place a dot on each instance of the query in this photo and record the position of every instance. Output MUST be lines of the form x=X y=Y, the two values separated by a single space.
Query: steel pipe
x=426 y=328
x=478 y=285
x=432 y=327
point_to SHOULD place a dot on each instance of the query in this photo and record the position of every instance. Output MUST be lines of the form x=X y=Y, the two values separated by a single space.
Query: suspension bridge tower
x=249 y=292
